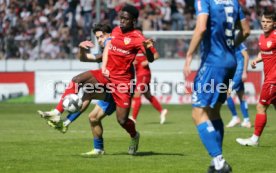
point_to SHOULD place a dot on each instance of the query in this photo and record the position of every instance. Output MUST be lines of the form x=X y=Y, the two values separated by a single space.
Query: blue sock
x=231 y=106
x=209 y=138
x=219 y=127
x=98 y=143
x=73 y=116
x=244 y=109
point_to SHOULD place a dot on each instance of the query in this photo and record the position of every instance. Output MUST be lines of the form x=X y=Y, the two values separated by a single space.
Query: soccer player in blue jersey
x=238 y=86
x=103 y=107
x=215 y=30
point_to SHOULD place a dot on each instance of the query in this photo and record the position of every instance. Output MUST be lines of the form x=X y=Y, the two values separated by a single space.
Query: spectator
x=86 y=11
x=177 y=15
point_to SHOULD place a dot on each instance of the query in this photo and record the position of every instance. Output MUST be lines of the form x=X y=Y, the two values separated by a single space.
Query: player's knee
x=261 y=109
x=76 y=79
x=121 y=121
x=93 y=118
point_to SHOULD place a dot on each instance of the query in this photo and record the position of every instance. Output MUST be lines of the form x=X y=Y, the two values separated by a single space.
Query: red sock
x=71 y=89
x=136 y=107
x=129 y=126
x=155 y=103
x=260 y=123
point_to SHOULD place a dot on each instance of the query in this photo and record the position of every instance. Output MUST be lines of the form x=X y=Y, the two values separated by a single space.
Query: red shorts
x=268 y=94
x=120 y=92
x=142 y=83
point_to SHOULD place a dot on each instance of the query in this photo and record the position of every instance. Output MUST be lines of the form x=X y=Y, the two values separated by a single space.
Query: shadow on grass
x=150 y=153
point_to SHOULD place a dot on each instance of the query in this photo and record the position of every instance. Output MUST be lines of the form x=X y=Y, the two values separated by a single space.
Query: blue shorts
x=211 y=85
x=108 y=105
x=238 y=84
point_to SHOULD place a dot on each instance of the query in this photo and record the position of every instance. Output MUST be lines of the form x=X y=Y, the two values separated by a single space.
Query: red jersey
x=121 y=54
x=268 y=53
x=139 y=68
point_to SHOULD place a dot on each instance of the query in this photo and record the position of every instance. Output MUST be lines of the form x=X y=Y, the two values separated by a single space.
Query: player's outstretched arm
x=105 y=72
x=84 y=54
x=245 y=64
x=201 y=23
x=256 y=60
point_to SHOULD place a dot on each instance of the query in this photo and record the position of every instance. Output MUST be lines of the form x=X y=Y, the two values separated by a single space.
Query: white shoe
x=246 y=124
x=131 y=118
x=163 y=116
x=234 y=121
x=50 y=115
x=94 y=152
x=247 y=142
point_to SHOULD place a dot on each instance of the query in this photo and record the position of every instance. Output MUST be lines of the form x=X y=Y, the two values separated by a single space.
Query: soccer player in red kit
x=117 y=70
x=267 y=55
x=117 y=67
x=143 y=77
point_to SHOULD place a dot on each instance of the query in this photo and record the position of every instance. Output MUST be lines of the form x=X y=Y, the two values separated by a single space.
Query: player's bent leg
x=95 y=117
x=73 y=88
x=129 y=126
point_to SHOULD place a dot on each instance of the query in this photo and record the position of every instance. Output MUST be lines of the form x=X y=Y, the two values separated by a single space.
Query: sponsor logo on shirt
x=117 y=49
x=268 y=44
x=127 y=40
x=267 y=52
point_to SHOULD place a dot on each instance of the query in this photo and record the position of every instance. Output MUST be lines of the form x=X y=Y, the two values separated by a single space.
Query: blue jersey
x=217 y=46
x=239 y=57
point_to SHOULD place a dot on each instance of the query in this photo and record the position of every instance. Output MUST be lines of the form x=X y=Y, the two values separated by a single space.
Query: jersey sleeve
x=202 y=6
x=139 y=44
x=242 y=47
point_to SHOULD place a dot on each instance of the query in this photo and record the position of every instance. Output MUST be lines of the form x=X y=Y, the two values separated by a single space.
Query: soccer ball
x=72 y=103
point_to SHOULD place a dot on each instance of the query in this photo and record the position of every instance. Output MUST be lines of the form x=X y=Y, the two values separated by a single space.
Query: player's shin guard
x=98 y=143
x=136 y=107
x=155 y=103
x=209 y=138
x=244 y=109
x=231 y=106
x=260 y=123
x=71 y=89
x=219 y=127
x=129 y=126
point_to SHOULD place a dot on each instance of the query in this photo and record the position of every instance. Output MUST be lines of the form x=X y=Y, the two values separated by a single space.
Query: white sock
x=57 y=112
x=246 y=120
x=235 y=117
x=255 y=138
x=218 y=162
x=66 y=122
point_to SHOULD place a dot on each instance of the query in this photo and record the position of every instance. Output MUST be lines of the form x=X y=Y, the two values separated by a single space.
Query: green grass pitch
x=28 y=145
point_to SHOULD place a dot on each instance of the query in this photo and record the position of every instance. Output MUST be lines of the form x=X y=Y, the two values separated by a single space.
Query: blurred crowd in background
x=52 y=29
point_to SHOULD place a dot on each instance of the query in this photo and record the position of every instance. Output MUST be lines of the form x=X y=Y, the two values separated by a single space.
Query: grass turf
x=27 y=144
